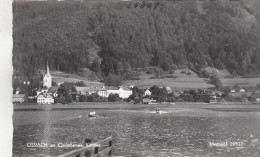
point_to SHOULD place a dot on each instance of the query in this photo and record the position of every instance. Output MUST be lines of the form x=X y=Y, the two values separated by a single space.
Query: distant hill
x=71 y=35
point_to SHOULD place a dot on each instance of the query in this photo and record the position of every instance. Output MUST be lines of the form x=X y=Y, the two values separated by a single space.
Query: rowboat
x=92 y=114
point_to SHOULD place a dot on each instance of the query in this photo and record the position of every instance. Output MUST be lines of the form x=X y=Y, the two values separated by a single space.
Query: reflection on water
x=141 y=132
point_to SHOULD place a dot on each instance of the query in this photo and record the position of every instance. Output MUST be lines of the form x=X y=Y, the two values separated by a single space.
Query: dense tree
x=113 y=80
x=137 y=95
x=251 y=98
x=75 y=35
x=96 y=66
x=113 y=97
x=80 y=84
x=91 y=98
x=216 y=81
x=65 y=92
x=83 y=98
x=93 y=77
x=159 y=94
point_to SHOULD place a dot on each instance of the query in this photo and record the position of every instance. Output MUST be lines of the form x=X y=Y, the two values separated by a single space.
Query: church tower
x=47 y=79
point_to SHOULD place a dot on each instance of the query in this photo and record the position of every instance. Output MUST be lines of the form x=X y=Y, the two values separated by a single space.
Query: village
x=69 y=92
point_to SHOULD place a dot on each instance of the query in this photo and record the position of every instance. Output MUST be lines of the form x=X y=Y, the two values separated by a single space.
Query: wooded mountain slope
x=71 y=35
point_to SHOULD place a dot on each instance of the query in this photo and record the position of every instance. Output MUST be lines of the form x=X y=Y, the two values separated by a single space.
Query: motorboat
x=92 y=114
x=158 y=110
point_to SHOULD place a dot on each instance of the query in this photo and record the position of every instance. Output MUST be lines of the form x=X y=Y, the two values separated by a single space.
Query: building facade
x=45 y=98
x=147 y=92
x=123 y=92
x=18 y=98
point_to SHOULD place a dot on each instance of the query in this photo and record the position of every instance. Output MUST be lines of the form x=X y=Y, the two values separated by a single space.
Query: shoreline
x=126 y=105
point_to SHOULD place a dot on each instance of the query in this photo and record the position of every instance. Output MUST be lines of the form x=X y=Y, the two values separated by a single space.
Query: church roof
x=53 y=89
x=18 y=89
x=126 y=89
x=46 y=95
x=18 y=95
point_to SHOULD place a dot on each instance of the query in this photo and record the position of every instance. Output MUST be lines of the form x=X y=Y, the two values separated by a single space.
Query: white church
x=47 y=79
x=43 y=97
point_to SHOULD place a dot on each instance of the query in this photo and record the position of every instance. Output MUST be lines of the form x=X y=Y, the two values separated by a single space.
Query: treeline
x=72 y=35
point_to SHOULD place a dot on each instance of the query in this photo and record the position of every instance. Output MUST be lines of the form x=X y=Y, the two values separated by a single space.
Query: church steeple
x=47 y=79
x=48 y=71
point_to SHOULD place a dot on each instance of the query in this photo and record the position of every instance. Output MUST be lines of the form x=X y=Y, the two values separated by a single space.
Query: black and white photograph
x=135 y=78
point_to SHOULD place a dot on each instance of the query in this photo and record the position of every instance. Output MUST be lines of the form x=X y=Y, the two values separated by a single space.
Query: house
x=168 y=89
x=131 y=86
x=112 y=90
x=149 y=101
x=214 y=71
x=82 y=90
x=45 y=98
x=256 y=95
x=43 y=90
x=101 y=91
x=217 y=93
x=241 y=90
x=147 y=92
x=123 y=92
x=18 y=98
x=232 y=91
x=17 y=90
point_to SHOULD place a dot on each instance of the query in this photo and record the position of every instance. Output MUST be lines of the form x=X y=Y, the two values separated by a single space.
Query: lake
x=184 y=130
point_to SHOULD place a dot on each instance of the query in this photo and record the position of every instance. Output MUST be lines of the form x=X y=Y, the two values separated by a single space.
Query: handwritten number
x=155 y=5
x=142 y=5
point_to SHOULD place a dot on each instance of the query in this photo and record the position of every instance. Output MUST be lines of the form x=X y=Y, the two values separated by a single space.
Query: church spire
x=47 y=79
x=48 y=71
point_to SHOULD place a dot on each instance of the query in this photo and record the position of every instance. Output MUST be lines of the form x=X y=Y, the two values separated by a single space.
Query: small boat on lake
x=158 y=110
x=92 y=114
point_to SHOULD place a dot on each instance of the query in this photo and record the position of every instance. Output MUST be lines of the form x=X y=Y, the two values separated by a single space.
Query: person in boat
x=157 y=109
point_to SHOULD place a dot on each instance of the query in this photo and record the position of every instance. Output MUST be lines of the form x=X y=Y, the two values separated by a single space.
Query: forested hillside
x=71 y=35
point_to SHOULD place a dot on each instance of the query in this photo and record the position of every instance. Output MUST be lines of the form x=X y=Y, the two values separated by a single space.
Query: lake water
x=140 y=132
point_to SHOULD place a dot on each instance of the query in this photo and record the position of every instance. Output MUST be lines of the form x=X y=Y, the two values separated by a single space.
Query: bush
x=83 y=98
x=251 y=99
x=258 y=86
x=93 y=77
x=113 y=97
x=91 y=98
x=172 y=71
x=204 y=74
x=216 y=81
